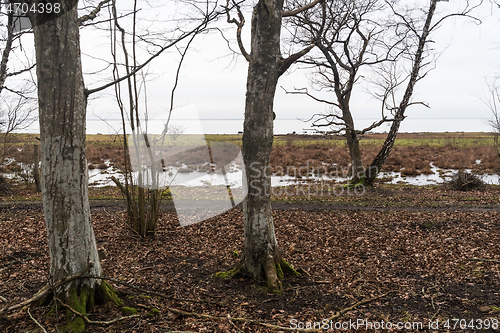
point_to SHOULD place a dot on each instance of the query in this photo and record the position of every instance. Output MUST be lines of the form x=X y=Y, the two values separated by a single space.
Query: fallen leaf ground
x=413 y=244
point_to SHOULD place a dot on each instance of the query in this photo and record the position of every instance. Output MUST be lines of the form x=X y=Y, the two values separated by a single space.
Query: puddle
x=194 y=179
x=233 y=177
x=438 y=176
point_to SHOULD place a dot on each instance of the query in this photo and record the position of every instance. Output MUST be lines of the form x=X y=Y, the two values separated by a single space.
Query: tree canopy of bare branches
x=382 y=43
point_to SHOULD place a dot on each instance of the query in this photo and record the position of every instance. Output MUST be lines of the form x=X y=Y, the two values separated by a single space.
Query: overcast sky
x=213 y=84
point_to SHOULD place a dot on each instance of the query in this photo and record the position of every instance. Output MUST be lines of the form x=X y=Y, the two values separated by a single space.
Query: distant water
x=284 y=126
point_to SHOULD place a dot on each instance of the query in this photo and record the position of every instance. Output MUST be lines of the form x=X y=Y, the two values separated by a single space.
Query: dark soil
x=413 y=245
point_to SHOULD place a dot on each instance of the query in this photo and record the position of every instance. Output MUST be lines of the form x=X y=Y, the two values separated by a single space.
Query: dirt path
x=118 y=205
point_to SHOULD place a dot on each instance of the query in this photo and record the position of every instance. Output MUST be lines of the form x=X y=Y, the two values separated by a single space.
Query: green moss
x=107 y=293
x=145 y=296
x=153 y=312
x=229 y=274
x=53 y=309
x=279 y=271
x=236 y=254
x=276 y=292
x=359 y=184
x=76 y=325
x=285 y=266
x=77 y=300
x=130 y=311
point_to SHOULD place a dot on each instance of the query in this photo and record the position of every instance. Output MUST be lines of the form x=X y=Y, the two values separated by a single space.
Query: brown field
x=412 y=155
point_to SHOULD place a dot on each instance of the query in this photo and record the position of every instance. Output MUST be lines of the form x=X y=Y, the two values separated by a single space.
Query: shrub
x=4 y=186
x=465 y=181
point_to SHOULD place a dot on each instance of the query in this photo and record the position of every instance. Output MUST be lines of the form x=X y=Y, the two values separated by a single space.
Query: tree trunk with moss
x=64 y=176
x=261 y=256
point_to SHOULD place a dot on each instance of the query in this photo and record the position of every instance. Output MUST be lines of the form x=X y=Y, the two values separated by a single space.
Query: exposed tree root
x=238 y=270
x=94 y=322
x=155 y=293
x=274 y=275
x=82 y=298
x=44 y=291
x=274 y=272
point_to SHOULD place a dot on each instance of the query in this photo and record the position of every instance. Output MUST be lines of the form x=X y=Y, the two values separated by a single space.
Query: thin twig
x=36 y=322
x=252 y=321
x=480 y=259
x=9 y=264
x=149 y=291
x=45 y=290
x=365 y=301
x=95 y=322
x=233 y=324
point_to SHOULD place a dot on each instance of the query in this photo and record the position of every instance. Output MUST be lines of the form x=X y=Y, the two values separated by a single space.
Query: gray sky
x=213 y=83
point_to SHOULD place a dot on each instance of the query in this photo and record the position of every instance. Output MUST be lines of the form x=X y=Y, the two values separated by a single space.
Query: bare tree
x=17 y=104
x=360 y=40
x=62 y=110
x=175 y=130
x=417 y=59
x=261 y=256
x=349 y=35
x=143 y=192
x=493 y=103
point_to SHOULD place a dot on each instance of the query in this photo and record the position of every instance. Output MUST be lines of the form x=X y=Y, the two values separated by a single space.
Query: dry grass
x=410 y=160
x=412 y=154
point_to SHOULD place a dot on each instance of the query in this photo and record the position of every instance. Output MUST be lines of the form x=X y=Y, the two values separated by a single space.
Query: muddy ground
x=413 y=254
x=412 y=155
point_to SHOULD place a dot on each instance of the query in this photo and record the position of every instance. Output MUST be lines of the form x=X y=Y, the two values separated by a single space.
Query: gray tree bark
x=62 y=107
x=6 y=50
x=260 y=251
x=36 y=168
x=261 y=256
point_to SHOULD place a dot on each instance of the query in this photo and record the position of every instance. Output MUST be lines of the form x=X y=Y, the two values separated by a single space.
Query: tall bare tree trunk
x=352 y=140
x=62 y=107
x=384 y=152
x=261 y=255
x=6 y=50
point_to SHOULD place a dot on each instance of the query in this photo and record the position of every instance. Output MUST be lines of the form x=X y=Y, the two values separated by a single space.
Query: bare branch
x=239 y=24
x=375 y=125
x=201 y=27
x=7 y=50
x=286 y=63
x=93 y=14
x=45 y=290
x=21 y=71
x=304 y=91
x=464 y=13
x=301 y=9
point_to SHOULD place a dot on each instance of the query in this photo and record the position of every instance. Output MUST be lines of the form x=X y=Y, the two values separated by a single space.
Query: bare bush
x=465 y=181
x=4 y=186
